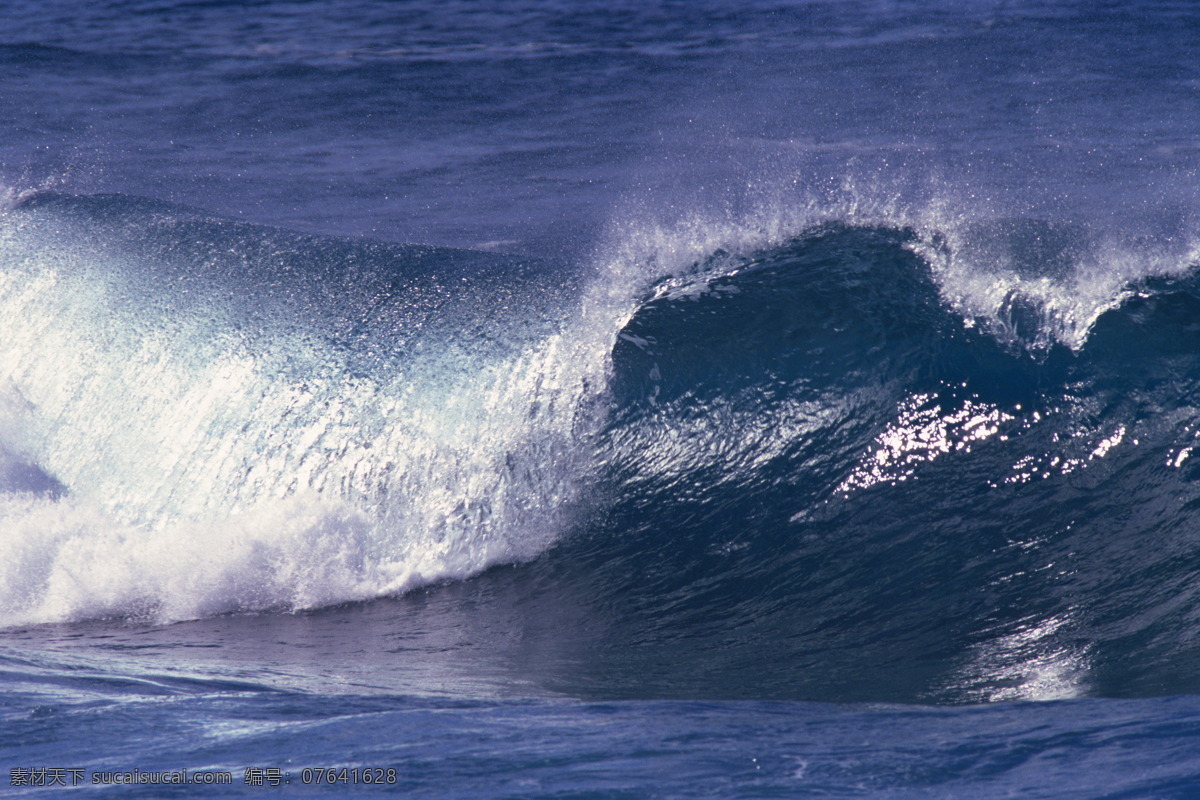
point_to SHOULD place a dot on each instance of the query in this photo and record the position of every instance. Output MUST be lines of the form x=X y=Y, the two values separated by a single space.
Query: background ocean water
x=549 y=399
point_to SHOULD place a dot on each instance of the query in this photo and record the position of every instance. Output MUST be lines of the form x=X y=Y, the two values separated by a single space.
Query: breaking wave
x=889 y=458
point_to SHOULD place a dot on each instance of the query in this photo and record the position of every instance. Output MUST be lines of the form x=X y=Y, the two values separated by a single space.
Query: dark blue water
x=554 y=399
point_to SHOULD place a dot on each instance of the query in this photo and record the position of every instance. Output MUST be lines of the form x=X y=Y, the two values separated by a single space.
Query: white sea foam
x=70 y=559
x=1028 y=282
x=209 y=471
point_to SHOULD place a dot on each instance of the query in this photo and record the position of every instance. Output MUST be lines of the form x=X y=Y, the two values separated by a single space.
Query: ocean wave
x=891 y=460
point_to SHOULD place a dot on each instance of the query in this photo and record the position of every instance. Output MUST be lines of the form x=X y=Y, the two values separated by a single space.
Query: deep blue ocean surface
x=600 y=400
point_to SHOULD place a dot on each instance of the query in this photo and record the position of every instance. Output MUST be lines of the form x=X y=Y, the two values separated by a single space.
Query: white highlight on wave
x=1036 y=661
x=923 y=432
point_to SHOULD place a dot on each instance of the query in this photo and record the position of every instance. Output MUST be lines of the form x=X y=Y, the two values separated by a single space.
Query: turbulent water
x=589 y=400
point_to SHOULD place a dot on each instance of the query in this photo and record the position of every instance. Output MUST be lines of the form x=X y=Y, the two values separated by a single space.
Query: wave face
x=830 y=480
x=862 y=460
